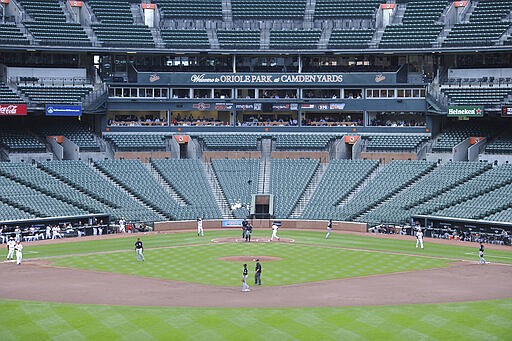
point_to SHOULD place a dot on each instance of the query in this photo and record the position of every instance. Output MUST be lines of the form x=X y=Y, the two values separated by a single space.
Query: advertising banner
x=63 y=110
x=13 y=109
x=265 y=79
x=465 y=111
x=231 y=223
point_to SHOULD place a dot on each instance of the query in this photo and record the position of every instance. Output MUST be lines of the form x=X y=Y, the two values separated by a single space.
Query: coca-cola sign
x=13 y=109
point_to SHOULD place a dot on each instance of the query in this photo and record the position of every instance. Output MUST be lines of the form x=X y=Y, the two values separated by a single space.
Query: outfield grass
x=487 y=320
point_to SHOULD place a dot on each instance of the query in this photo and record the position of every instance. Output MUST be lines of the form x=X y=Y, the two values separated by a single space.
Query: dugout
x=494 y=232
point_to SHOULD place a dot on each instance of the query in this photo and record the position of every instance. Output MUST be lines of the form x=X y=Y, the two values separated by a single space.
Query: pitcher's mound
x=253 y=240
x=248 y=259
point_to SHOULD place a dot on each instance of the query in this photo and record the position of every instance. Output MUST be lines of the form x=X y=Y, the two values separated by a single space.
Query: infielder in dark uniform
x=481 y=254
x=257 y=273
x=139 y=249
x=245 y=223
x=248 y=232
x=245 y=286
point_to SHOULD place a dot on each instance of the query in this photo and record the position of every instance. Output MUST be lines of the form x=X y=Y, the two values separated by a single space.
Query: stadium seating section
x=43 y=182
x=136 y=142
x=187 y=177
x=268 y=9
x=185 y=39
x=138 y=180
x=419 y=27
x=302 y=141
x=48 y=24
x=116 y=26
x=16 y=140
x=289 y=179
x=8 y=96
x=73 y=131
x=239 y=39
x=485 y=25
x=403 y=143
x=441 y=179
x=340 y=178
x=387 y=182
x=34 y=202
x=202 y=9
x=333 y=9
x=230 y=142
x=84 y=178
x=294 y=39
x=480 y=95
x=501 y=145
x=10 y=34
x=450 y=137
x=119 y=23
x=238 y=179
x=348 y=39
x=55 y=94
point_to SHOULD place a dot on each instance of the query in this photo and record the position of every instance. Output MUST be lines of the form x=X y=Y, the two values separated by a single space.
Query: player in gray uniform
x=11 y=244
x=419 y=238
x=19 y=253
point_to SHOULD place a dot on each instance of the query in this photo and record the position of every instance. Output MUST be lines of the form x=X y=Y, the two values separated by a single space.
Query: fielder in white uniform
x=419 y=238
x=200 y=227
x=11 y=244
x=274 y=232
x=19 y=253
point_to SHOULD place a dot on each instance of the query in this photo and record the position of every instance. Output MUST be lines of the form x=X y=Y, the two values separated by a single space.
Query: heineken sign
x=462 y=111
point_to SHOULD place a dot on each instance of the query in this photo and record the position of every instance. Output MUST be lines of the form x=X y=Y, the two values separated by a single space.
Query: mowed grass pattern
x=298 y=264
x=488 y=320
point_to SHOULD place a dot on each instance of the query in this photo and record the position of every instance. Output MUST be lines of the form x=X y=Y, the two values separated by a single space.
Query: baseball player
x=329 y=229
x=481 y=254
x=245 y=223
x=11 y=244
x=257 y=273
x=245 y=286
x=419 y=238
x=274 y=231
x=19 y=253
x=139 y=249
x=200 y=226
x=248 y=232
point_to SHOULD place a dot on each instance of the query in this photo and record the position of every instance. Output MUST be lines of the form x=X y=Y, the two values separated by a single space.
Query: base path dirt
x=462 y=281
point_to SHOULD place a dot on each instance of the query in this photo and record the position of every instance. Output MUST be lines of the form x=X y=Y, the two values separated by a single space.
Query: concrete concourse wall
x=264 y=224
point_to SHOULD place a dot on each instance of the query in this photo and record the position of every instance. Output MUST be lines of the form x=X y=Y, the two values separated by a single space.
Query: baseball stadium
x=159 y=157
